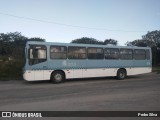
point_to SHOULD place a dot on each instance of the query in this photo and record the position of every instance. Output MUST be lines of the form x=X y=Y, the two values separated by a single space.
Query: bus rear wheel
x=57 y=77
x=121 y=74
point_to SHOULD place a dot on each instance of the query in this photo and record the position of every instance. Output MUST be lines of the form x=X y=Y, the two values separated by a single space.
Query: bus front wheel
x=57 y=77
x=121 y=74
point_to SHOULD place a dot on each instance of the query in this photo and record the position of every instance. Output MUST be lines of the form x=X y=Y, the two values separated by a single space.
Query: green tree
x=36 y=39
x=86 y=40
x=110 y=41
x=13 y=43
x=152 y=38
x=138 y=42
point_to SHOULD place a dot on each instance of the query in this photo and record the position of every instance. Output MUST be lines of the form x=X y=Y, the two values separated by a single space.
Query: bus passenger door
x=38 y=60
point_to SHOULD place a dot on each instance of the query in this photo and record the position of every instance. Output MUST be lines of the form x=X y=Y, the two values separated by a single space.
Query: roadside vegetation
x=12 y=54
x=11 y=69
x=156 y=69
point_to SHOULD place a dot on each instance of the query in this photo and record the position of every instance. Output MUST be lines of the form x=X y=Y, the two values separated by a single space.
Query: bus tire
x=57 y=77
x=121 y=74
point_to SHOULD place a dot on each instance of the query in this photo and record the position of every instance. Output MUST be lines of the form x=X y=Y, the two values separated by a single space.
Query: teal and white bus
x=60 y=61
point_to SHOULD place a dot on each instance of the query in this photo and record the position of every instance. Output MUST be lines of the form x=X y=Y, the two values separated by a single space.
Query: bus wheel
x=121 y=74
x=57 y=77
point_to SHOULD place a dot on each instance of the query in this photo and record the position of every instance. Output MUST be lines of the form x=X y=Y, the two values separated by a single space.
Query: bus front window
x=37 y=54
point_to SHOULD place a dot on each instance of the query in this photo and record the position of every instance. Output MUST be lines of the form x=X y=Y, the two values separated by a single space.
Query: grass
x=10 y=70
x=156 y=69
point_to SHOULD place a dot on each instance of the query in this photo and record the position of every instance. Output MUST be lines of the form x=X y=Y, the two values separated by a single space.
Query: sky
x=66 y=20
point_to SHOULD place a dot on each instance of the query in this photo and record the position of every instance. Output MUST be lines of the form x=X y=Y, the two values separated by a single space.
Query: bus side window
x=58 y=52
x=139 y=54
x=76 y=52
x=111 y=53
x=126 y=54
x=95 y=53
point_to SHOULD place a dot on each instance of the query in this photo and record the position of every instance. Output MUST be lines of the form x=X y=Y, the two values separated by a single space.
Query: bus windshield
x=37 y=54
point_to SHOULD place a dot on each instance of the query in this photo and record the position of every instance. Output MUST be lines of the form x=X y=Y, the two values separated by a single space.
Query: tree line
x=86 y=40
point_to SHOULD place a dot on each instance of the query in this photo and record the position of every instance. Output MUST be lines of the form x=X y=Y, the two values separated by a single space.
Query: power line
x=67 y=25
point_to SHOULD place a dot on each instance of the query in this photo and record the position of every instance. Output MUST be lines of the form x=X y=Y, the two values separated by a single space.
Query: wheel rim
x=58 y=77
x=122 y=74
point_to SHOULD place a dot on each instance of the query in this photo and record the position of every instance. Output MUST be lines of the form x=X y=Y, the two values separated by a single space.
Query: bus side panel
x=28 y=75
x=72 y=68
x=38 y=75
x=77 y=67
x=99 y=72
x=140 y=70
x=69 y=73
x=47 y=74
x=141 y=67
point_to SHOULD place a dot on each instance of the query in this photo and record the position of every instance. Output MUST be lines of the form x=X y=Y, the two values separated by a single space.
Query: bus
x=60 y=61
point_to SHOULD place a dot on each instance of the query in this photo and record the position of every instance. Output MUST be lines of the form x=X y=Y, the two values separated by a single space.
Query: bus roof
x=82 y=45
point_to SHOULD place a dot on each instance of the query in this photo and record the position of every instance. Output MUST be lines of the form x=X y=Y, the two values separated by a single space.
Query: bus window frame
x=120 y=57
x=33 y=47
x=66 y=52
x=96 y=57
x=78 y=53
